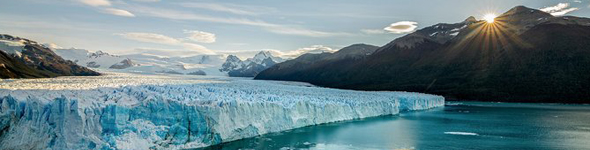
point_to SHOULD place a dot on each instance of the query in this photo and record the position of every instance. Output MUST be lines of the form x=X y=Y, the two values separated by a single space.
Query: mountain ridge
x=532 y=55
x=24 y=58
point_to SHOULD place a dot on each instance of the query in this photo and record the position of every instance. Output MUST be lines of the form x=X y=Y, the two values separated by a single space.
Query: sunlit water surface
x=462 y=126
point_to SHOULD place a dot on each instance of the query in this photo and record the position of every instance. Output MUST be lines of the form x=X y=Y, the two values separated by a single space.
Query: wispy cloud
x=373 y=31
x=201 y=36
x=559 y=9
x=146 y=0
x=159 y=52
x=402 y=27
x=150 y=38
x=105 y=7
x=288 y=30
x=96 y=3
x=314 y=49
x=198 y=48
x=52 y=46
x=163 y=39
x=274 y=28
x=118 y=12
x=229 y=8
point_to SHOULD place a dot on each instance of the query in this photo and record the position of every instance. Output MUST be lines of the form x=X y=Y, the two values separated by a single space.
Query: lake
x=473 y=125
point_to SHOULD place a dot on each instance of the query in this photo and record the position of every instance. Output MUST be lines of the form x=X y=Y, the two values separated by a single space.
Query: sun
x=490 y=18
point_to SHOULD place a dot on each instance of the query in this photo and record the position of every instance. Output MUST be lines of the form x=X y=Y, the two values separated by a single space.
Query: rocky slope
x=23 y=58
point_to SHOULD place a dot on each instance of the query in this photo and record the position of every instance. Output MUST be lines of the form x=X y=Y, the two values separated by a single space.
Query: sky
x=287 y=28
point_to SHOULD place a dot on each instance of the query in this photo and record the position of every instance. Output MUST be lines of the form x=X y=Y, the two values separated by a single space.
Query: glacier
x=125 y=111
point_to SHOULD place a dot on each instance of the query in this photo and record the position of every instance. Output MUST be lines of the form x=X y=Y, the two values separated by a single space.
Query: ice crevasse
x=152 y=112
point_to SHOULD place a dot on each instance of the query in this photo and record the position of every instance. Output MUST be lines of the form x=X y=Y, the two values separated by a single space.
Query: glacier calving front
x=172 y=112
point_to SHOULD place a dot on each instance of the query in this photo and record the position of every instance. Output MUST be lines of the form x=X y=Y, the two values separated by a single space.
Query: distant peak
x=520 y=8
x=359 y=44
x=470 y=19
x=264 y=54
x=523 y=10
x=232 y=57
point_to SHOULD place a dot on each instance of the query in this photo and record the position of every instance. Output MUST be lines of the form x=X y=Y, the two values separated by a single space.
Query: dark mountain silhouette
x=526 y=55
x=314 y=66
x=22 y=58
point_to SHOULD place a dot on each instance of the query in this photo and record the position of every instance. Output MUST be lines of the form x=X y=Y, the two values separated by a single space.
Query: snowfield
x=124 y=111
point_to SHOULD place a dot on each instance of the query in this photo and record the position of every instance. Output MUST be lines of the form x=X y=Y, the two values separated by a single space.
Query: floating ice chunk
x=462 y=133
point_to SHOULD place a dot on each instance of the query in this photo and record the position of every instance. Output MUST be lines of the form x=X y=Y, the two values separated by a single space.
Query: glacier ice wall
x=173 y=116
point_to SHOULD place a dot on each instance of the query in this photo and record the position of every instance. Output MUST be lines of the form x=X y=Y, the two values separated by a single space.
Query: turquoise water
x=456 y=126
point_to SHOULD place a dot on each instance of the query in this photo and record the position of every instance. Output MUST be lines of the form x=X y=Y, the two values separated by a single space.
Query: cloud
x=229 y=8
x=96 y=3
x=104 y=7
x=563 y=12
x=314 y=49
x=118 y=12
x=52 y=46
x=282 y=29
x=160 y=52
x=146 y=0
x=200 y=36
x=559 y=9
x=274 y=28
x=373 y=31
x=199 y=48
x=402 y=27
x=166 y=40
x=151 y=38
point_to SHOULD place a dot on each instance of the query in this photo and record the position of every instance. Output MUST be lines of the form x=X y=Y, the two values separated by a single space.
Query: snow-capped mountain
x=262 y=56
x=99 y=59
x=440 y=33
x=123 y=64
x=145 y=63
x=23 y=58
x=193 y=65
x=250 y=67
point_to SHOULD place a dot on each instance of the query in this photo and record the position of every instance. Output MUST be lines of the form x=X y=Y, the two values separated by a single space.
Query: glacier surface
x=123 y=111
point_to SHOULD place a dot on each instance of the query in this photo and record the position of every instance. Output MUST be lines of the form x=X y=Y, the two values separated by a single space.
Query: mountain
x=526 y=55
x=250 y=67
x=312 y=66
x=123 y=64
x=190 y=65
x=144 y=63
x=215 y=65
x=23 y=58
x=99 y=59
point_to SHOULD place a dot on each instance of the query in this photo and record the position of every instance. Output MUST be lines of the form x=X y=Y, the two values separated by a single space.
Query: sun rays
x=490 y=18
x=493 y=35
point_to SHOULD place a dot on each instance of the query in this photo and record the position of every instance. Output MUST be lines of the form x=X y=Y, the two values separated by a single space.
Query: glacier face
x=122 y=111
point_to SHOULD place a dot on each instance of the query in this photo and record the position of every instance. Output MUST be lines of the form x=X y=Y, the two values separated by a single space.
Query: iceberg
x=124 y=111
